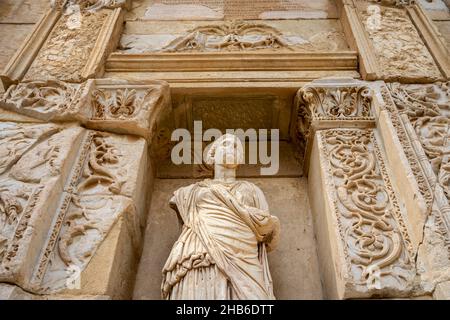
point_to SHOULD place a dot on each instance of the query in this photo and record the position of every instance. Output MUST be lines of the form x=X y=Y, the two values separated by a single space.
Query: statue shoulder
x=250 y=186
x=186 y=189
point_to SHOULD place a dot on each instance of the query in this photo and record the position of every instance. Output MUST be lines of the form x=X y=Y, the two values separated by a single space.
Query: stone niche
x=259 y=110
x=294 y=265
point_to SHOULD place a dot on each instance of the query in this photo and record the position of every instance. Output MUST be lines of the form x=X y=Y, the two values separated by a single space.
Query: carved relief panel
x=98 y=104
x=373 y=254
x=330 y=104
x=401 y=53
x=421 y=116
x=62 y=188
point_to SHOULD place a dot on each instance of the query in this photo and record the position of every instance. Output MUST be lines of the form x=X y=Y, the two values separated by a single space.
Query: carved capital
x=329 y=104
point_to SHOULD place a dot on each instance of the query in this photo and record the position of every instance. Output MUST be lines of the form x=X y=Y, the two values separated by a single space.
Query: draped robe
x=222 y=250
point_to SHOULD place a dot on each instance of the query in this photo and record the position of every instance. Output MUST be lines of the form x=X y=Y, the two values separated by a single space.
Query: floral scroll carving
x=377 y=244
x=425 y=111
x=231 y=36
x=46 y=100
x=97 y=170
x=331 y=104
x=428 y=109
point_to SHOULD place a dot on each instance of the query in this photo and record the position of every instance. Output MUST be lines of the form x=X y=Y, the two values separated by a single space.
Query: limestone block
x=112 y=271
x=232 y=10
x=62 y=190
x=130 y=107
x=33 y=175
x=111 y=165
x=50 y=100
x=66 y=51
x=400 y=52
x=364 y=246
x=87 y=222
x=10 y=116
x=22 y=11
x=13 y=292
x=11 y=36
x=442 y=291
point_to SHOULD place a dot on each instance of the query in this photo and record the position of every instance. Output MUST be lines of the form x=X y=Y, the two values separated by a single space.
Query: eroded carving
x=84 y=223
x=67 y=49
x=232 y=36
x=398 y=3
x=244 y=36
x=88 y=5
x=44 y=95
x=428 y=109
x=400 y=51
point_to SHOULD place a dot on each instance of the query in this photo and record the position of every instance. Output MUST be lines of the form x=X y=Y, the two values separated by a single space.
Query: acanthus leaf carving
x=331 y=103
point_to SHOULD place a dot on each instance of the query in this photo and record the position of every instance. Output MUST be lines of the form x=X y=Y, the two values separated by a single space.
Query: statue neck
x=224 y=174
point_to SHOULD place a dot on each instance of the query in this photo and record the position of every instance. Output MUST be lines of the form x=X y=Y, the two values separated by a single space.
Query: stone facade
x=91 y=92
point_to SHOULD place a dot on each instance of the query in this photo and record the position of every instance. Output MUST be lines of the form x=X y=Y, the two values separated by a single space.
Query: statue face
x=227 y=153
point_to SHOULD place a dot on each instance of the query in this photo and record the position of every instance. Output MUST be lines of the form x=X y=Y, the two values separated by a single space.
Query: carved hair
x=210 y=150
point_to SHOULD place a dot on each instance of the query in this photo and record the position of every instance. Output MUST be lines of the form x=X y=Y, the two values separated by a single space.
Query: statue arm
x=173 y=205
x=272 y=238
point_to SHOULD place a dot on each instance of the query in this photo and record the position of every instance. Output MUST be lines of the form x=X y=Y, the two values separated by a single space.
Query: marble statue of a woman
x=227 y=231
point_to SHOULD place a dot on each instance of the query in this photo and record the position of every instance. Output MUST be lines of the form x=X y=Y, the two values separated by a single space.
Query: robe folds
x=222 y=250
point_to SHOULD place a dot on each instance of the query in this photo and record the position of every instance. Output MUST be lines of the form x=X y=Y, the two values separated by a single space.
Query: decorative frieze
x=32 y=176
x=375 y=255
x=397 y=3
x=127 y=107
x=425 y=112
x=89 y=5
x=428 y=109
x=98 y=104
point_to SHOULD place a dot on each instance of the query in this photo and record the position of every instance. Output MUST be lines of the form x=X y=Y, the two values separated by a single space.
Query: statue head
x=226 y=151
